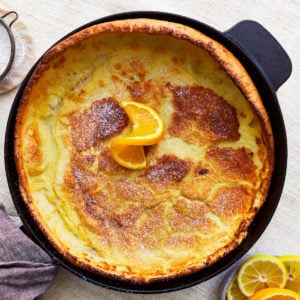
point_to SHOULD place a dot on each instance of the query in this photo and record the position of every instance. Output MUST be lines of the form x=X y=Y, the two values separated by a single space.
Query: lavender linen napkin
x=26 y=271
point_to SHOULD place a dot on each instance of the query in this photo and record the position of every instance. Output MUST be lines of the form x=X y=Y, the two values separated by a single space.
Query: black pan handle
x=268 y=55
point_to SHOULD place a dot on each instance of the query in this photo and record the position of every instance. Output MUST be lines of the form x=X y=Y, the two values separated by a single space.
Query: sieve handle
x=16 y=16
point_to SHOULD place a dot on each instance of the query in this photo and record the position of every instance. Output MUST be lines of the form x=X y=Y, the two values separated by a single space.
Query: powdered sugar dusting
x=168 y=168
x=104 y=119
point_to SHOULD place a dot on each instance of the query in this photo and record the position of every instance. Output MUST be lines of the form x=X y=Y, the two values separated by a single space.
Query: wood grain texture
x=48 y=21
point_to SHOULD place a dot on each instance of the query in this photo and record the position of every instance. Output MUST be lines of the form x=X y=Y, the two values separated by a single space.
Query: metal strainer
x=7 y=44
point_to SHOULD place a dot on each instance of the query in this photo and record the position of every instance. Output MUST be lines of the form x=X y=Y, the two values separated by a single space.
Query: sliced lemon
x=233 y=291
x=261 y=271
x=292 y=265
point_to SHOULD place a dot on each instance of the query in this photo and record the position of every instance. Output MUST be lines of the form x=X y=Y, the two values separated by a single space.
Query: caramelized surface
x=204 y=182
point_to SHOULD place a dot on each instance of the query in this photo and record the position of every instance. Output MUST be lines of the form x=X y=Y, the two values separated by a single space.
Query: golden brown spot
x=206 y=111
x=33 y=152
x=59 y=62
x=69 y=181
x=230 y=201
x=135 y=45
x=118 y=66
x=93 y=205
x=115 y=79
x=197 y=188
x=104 y=119
x=169 y=168
x=84 y=178
x=188 y=216
x=160 y=49
x=150 y=92
x=129 y=216
x=102 y=83
x=258 y=141
x=126 y=190
x=131 y=69
x=137 y=90
x=175 y=60
x=107 y=163
x=32 y=147
x=152 y=223
x=83 y=160
x=233 y=163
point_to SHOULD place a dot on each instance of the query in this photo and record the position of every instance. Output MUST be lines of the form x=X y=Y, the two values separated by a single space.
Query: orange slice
x=129 y=156
x=147 y=129
x=147 y=125
x=275 y=294
x=261 y=271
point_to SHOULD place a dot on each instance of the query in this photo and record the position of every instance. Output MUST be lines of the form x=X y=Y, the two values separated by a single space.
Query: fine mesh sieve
x=7 y=44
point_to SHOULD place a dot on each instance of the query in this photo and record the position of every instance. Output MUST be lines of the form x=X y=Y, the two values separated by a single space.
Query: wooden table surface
x=48 y=21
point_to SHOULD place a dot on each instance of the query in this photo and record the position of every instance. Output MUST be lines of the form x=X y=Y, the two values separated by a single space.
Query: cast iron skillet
x=268 y=65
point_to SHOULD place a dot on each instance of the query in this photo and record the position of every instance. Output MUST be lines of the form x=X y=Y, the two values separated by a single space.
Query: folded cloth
x=26 y=271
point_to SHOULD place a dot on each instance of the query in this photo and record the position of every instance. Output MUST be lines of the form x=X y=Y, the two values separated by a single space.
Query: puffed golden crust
x=204 y=181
